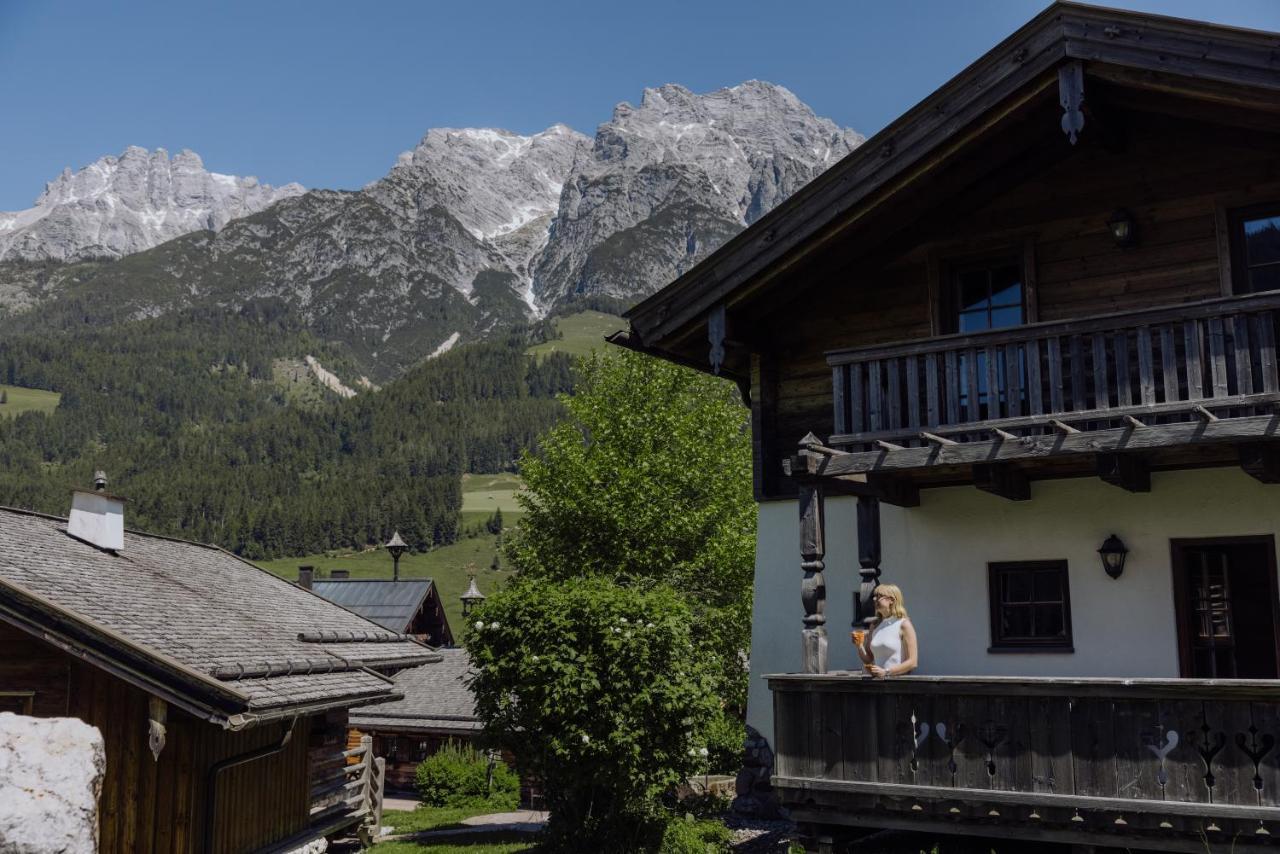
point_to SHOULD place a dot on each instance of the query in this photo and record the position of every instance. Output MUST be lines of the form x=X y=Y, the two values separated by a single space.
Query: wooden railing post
x=864 y=610
x=813 y=589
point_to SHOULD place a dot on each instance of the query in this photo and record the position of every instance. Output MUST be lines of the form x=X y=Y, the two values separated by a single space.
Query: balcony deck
x=1143 y=763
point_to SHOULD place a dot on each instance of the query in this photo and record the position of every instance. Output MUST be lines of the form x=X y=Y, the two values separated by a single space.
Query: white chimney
x=97 y=517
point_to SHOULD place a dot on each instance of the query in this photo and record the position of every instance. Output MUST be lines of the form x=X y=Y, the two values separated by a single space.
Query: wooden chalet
x=437 y=709
x=1036 y=311
x=221 y=691
x=410 y=607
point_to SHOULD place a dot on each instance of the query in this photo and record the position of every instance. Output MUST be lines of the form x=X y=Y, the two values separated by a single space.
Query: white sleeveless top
x=886 y=643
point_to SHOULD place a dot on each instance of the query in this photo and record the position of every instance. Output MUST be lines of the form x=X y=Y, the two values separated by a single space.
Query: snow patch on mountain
x=120 y=205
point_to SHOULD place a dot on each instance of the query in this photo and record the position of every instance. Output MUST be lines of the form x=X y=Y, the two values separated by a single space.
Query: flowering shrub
x=600 y=692
x=457 y=775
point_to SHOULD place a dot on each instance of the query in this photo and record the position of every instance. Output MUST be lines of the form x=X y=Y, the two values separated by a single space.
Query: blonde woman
x=890 y=648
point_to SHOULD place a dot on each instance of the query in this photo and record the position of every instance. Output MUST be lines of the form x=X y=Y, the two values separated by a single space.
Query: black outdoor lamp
x=395 y=548
x=1113 y=553
x=1124 y=231
x=471 y=598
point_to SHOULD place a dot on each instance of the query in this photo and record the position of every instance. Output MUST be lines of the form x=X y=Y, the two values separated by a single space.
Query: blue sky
x=328 y=93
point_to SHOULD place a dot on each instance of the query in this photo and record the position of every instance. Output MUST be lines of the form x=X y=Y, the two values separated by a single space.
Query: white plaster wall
x=938 y=553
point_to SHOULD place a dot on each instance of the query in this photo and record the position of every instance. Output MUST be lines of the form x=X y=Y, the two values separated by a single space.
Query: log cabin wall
x=1176 y=176
x=159 y=806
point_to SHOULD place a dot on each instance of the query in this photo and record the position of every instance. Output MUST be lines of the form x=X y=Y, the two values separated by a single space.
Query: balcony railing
x=1166 y=764
x=1159 y=364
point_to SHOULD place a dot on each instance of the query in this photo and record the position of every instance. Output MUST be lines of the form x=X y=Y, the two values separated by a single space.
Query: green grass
x=435 y=818
x=583 y=332
x=31 y=400
x=480 y=846
x=485 y=493
x=447 y=565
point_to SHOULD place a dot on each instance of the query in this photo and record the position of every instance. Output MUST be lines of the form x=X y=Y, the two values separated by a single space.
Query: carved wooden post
x=813 y=590
x=864 y=606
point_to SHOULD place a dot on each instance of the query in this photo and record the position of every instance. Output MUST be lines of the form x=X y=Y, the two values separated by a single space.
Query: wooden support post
x=935 y=439
x=1127 y=471
x=864 y=609
x=887 y=446
x=1003 y=479
x=1003 y=435
x=1261 y=460
x=813 y=589
x=1064 y=429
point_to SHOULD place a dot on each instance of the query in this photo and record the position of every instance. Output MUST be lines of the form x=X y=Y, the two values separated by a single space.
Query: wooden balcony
x=1166 y=765
x=1157 y=365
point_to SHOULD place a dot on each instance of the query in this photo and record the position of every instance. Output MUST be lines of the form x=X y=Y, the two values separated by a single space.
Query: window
x=1030 y=606
x=986 y=295
x=18 y=702
x=1255 y=249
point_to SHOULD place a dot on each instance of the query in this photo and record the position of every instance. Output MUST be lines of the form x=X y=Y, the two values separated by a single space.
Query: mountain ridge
x=472 y=231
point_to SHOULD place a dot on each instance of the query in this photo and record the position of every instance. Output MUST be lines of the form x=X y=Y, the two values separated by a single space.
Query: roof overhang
x=200 y=694
x=1161 y=55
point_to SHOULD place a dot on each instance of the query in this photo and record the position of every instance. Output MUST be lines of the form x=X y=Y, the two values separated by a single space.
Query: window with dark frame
x=983 y=295
x=1255 y=249
x=1030 y=606
x=986 y=294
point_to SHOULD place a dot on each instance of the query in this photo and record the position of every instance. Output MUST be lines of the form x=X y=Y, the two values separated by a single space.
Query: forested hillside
x=186 y=415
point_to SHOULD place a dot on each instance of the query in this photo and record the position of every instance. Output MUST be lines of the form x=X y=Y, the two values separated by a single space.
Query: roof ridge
x=22 y=511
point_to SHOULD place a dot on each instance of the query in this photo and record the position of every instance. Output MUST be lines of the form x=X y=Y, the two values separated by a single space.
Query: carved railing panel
x=1157 y=364
x=1164 y=758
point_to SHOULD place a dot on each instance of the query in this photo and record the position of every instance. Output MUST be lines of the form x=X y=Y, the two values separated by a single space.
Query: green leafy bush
x=602 y=693
x=691 y=836
x=457 y=776
x=726 y=738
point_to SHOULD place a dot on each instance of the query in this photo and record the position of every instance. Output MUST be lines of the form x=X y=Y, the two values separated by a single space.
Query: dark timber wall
x=1176 y=176
x=159 y=806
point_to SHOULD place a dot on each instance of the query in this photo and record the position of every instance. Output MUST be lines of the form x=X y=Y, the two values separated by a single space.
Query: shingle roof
x=435 y=698
x=390 y=604
x=221 y=633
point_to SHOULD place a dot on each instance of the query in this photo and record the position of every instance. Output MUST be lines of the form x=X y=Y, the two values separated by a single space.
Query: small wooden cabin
x=1036 y=311
x=409 y=607
x=221 y=691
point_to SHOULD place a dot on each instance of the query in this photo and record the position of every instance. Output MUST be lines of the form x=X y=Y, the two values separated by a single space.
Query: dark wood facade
x=163 y=804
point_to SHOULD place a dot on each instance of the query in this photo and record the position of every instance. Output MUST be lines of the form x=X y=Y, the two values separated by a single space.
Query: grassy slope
x=31 y=399
x=583 y=332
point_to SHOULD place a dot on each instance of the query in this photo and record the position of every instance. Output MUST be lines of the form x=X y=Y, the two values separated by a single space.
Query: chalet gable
x=1056 y=85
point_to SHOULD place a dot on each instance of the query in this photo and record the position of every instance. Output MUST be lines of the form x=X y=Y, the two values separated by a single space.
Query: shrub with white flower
x=608 y=722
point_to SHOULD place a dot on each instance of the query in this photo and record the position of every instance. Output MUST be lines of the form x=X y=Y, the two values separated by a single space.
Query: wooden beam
x=1061 y=427
x=1003 y=479
x=1204 y=414
x=1260 y=460
x=935 y=439
x=1230 y=431
x=898 y=491
x=1133 y=422
x=887 y=446
x=1127 y=471
x=1004 y=435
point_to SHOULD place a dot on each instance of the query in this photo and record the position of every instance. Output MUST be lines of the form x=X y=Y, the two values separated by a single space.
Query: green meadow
x=19 y=400
x=583 y=332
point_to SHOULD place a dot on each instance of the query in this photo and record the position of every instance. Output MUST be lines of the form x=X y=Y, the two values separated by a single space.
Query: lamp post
x=1113 y=554
x=395 y=547
x=471 y=598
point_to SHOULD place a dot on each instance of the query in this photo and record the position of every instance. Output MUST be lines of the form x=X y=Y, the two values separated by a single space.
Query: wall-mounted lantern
x=1124 y=231
x=1113 y=554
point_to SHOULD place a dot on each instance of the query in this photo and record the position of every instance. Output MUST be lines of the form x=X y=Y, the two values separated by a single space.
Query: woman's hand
x=877 y=671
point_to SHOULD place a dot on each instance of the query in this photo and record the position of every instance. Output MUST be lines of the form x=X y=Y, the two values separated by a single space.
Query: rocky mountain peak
x=668 y=181
x=122 y=204
x=493 y=181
